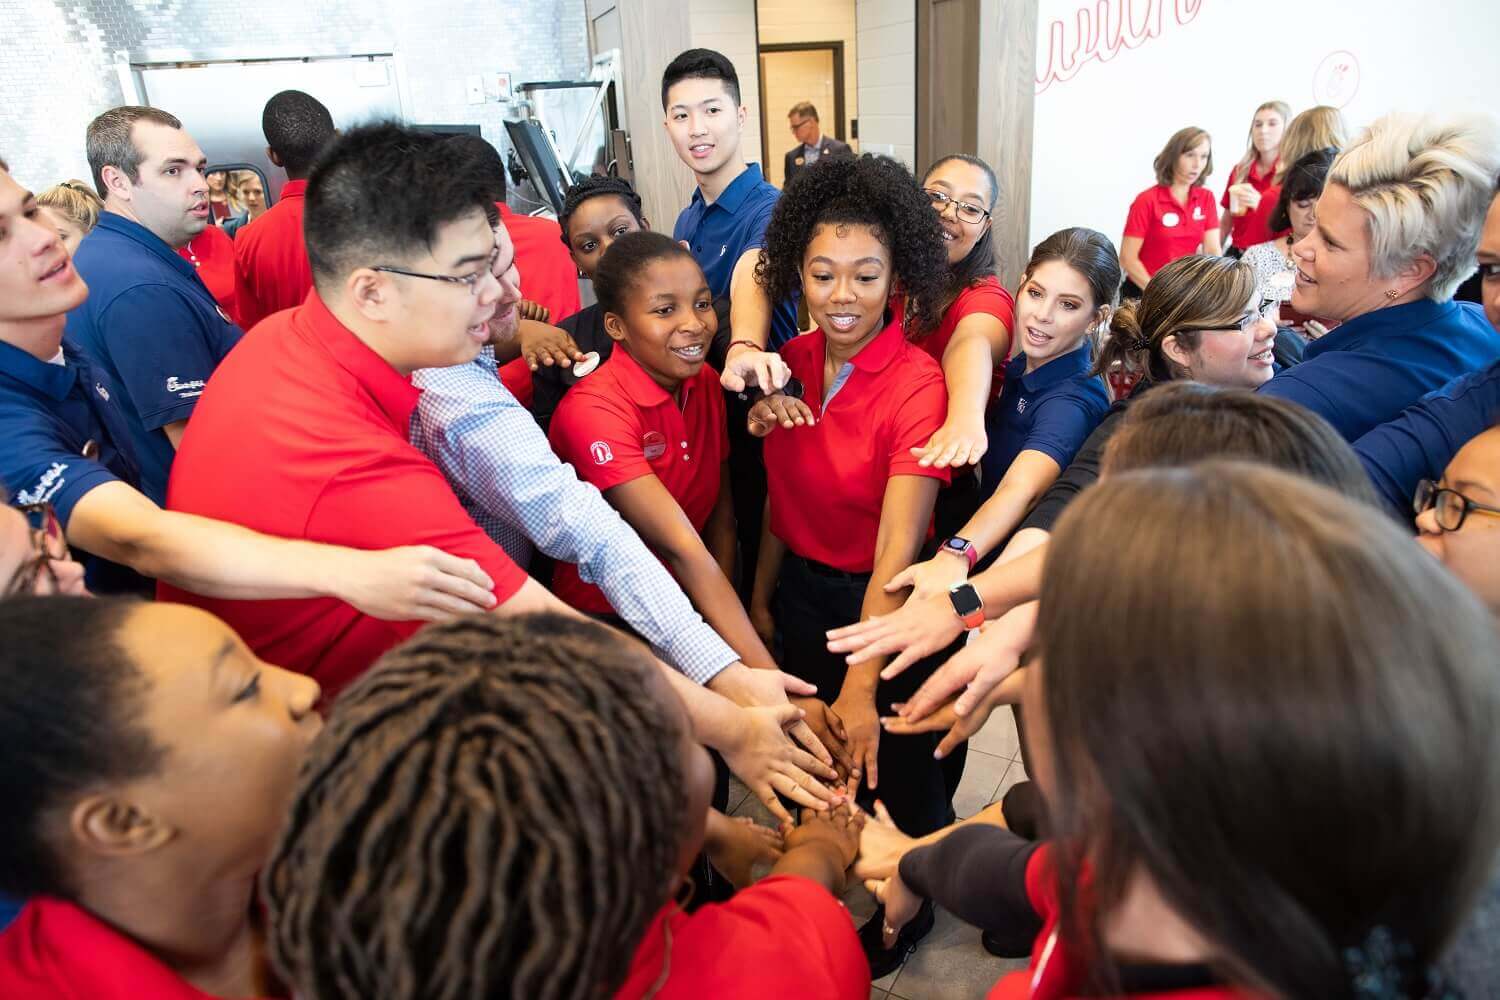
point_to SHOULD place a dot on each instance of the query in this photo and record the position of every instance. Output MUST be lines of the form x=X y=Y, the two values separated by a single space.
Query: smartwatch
x=961 y=547
x=967 y=605
x=793 y=388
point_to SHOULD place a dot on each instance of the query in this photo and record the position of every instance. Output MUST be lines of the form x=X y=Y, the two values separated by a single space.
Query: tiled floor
x=949 y=964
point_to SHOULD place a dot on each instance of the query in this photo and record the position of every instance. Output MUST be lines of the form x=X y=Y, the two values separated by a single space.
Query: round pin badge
x=589 y=363
x=653 y=445
x=1170 y=219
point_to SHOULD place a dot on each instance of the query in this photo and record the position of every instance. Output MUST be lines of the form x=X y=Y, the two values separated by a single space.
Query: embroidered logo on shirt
x=1197 y=213
x=602 y=454
x=1170 y=219
x=46 y=487
x=653 y=445
x=1021 y=405
x=723 y=249
x=185 y=390
x=103 y=392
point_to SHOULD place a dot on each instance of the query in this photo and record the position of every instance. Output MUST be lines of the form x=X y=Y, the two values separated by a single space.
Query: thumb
x=902 y=580
x=785 y=715
x=797 y=685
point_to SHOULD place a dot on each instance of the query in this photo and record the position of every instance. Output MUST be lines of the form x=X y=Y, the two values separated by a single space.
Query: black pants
x=810 y=600
x=747 y=488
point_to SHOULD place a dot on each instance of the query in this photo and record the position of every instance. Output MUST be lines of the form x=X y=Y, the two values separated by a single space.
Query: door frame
x=838 y=85
x=923 y=36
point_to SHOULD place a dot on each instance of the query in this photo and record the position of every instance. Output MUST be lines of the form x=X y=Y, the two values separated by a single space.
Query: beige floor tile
x=950 y=964
x=983 y=774
x=998 y=736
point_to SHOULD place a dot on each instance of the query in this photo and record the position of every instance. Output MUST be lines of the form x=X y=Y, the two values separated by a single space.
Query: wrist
x=960 y=548
x=749 y=345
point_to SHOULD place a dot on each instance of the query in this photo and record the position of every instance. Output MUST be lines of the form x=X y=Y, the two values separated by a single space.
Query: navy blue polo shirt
x=719 y=234
x=1421 y=442
x=152 y=326
x=63 y=435
x=1052 y=410
x=1368 y=370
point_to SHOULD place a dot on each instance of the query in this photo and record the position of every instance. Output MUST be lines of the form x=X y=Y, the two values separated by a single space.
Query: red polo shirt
x=984 y=296
x=55 y=949
x=1168 y=228
x=271 y=263
x=1054 y=973
x=1255 y=225
x=302 y=433
x=784 y=936
x=827 y=482
x=618 y=425
x=548 y=277
x=211 y=253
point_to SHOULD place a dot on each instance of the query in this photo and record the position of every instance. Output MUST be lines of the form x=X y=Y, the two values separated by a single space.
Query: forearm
x=1226 y=222
x=767 y=564
x=1005 y=585
x=1212 y=245
x=968 y=372
x=814 y=860
x=1130 y=262
x=715 y=719
x=714 y=597
x=994 y=521
x=749 y=308
x=719 y=536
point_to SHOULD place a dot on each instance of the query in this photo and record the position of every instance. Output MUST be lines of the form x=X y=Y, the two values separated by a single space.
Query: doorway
x=789 y=74
x=947 y=78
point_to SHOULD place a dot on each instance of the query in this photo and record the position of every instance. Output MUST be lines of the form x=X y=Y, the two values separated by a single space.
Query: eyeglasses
x=470 y=280
x=972 y=214
x=48 y=545
x=1268 y=310
x=1451 y=507
x=797 y=125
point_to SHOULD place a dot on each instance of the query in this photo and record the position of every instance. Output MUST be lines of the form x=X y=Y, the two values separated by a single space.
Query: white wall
x=784 y=21
x=728 y=26
x=887 y=77
x=1102 y=114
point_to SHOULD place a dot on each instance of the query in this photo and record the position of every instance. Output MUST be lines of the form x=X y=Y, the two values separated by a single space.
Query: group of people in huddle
x=469 y=601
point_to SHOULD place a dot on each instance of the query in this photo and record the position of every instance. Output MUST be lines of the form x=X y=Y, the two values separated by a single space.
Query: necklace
x=192 y=257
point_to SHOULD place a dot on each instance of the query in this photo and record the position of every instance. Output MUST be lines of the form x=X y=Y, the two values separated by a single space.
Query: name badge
x=1170 y=219
x=653 y=445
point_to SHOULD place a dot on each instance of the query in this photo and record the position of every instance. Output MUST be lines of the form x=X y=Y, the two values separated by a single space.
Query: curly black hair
x=874 y=191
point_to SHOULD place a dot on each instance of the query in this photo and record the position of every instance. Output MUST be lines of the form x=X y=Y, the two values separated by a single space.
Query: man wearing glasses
x=812 y=145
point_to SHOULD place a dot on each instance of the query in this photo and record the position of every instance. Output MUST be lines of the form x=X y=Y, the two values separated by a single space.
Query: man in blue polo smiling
x=149 y=323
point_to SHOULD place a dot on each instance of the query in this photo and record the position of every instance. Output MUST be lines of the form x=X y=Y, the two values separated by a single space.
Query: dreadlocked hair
x=873 y=191
x=598 y=186
x=491 y=811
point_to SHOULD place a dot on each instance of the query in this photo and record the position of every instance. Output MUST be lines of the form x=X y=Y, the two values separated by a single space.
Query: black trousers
x=810 y=600
x=747 y=488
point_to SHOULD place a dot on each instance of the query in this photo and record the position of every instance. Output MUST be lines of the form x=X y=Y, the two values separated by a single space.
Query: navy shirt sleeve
x=1421 y=442
x=40 y=464
x=1077 y=476
x=163 y=350
x=1064 y=420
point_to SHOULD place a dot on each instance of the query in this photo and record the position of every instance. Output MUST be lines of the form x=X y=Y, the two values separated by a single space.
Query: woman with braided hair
x=506 y=808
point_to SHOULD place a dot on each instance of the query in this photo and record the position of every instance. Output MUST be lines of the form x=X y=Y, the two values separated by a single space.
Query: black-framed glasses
x=966 y=212
x=48 y=545
x=1450 y=507
x=470 y=280
x=1268 y=310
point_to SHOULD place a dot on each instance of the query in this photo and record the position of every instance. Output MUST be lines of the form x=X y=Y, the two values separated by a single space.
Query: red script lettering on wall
x=1101 y=31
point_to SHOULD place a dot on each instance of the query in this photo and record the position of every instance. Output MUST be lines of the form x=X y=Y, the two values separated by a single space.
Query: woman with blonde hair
x=1320 y=127
x=73 y=209
x=1250 y=195
x=1398 y=224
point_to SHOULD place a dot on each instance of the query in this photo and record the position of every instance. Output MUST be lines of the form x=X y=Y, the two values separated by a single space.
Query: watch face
x=793 y=387
x=958 y=545
x=965 y=600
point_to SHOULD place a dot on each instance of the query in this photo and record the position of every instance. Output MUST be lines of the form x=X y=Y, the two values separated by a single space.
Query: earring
x=1391 y=293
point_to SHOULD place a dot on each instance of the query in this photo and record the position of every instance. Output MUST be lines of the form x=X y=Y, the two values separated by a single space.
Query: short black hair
x=297 y=127
x=70 y=704
x=484 y=155
x=599 y=186
x=624 y=261
x=1304 y=179
x=700 y=64
x=382 y=191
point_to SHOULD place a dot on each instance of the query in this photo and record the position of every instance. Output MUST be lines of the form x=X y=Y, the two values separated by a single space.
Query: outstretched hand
x=745 y=367
x=413 y=583
x=769 y=763
x=917 y=629
x=977 y=668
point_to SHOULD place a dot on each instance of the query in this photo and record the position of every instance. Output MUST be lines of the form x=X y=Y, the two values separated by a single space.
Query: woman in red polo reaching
x=849 y=504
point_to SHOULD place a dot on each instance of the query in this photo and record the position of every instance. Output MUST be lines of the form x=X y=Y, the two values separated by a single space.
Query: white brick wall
x=886 y=34
x=57 y=69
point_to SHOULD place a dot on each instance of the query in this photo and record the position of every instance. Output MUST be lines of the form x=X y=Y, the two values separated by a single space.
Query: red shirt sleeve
x=991 y=299
x=248 y=305
x=600 y=438
x=916 y=418
x=419 y=509
x=1138 y=222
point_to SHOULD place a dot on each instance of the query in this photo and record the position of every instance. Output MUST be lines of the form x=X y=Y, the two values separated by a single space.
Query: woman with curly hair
x=849 y=505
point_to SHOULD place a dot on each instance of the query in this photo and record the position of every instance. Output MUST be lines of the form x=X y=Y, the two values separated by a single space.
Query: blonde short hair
x=75 y=201
x=1425 y=182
